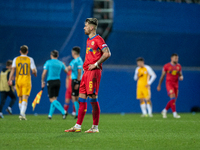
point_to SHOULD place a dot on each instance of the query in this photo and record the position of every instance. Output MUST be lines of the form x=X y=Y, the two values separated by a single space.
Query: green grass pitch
x=128 y=131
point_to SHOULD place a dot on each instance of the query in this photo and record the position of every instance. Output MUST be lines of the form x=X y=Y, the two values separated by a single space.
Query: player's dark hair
x=93 y=21
x=8 y=63
x=54 y=53
x=24 y=49
x=140 y=59
x=174 y=54
x=76 y=49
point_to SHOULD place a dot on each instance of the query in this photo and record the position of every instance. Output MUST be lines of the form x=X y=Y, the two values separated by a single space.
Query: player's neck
x=76 y=56
x=172 y=63
x=91 y=35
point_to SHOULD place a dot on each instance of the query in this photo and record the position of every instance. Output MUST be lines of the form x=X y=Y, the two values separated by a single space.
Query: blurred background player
x=97 y=52
x=68 y=93
x=5 y=89
x=53 y=68
x=76 y=65
x=23 y=64
x=173 y=73
x=144 y=75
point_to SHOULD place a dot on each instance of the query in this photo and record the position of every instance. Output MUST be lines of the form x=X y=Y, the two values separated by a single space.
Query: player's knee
x=67 y=100
x=149 y=101
x=81 y=95
x=172 y=95
x=93 y=96
x=142 y=101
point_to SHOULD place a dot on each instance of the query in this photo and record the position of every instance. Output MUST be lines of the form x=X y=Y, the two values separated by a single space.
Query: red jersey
x=94 y=48
x=173 y=72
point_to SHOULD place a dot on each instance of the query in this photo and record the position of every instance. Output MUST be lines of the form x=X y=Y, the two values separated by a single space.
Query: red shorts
x=172 y=89
x=90 y=82
x=68 y=93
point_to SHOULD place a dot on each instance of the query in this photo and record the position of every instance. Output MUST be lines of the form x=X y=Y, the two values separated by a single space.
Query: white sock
x=20 y=106
x=95 y=126
x=77 y=125
x=149 y=108
x=165 y=110
x=174 y=113
x=1 y=113
x=143 y=108
x=23 y=108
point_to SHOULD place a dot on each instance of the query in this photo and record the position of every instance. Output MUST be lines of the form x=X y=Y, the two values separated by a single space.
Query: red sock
x=96 y=112
x=66 y=107
x=81 y=112
x=168 y=106
x=74 y=110
x=173 y=105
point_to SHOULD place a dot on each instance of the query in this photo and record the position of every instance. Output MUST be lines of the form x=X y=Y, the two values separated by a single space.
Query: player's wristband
x=96 y=64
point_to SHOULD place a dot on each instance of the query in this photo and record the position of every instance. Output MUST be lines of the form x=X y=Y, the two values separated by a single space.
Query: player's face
x=140 y=63
x=73 y=53
x=87 y=28
x=174 y=59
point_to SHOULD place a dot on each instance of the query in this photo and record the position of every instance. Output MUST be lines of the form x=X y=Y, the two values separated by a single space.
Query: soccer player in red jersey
x=97 y=52
x=173 y=73
x=68 y=93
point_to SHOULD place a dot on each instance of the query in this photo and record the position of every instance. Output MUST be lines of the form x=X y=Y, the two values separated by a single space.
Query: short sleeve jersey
x=172 y=72
x=75 y=65
x=54 y=68
x=94 y=48
x=23 y=65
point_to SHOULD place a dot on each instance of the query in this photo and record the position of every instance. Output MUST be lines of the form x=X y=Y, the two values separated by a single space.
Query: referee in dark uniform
x=5 y=89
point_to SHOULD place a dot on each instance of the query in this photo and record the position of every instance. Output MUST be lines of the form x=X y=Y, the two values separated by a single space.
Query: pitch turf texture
x=128 y=131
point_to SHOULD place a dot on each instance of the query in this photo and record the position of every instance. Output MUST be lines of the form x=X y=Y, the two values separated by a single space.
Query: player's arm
x=152 y=76
x=43 y=77
x=11 y=75
x=78 y=79
x=67 y=81
x=104 y=57
x=68 y=68
x=34 y=71
x=181 y=76
x=33 y=68
x=136 y=74
x=161 y=80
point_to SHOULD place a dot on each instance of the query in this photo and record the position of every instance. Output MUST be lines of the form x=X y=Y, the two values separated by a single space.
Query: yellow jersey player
x=23 y=64
x=144 y=75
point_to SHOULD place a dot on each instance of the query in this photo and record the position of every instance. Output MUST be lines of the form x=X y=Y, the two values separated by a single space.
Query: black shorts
x=53 y=88
x=75 y=92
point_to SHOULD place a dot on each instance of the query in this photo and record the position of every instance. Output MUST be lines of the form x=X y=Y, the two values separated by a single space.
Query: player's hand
x=76 y=86
x=140 y=76
x=91 y=66
x=158 y=88
x=10 y=82
x=181 y=78
x=147 y=86
x=43 y=84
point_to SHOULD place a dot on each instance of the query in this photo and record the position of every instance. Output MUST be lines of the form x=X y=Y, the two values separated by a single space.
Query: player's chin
x=86 y=33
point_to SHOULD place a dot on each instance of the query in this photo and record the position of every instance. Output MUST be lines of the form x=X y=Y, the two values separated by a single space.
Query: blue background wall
x=155 y=30
x=141 y=28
